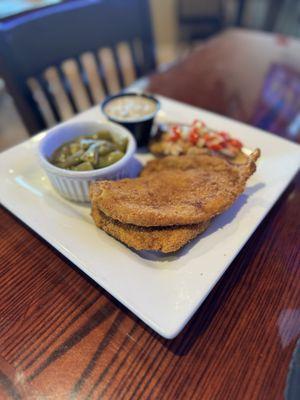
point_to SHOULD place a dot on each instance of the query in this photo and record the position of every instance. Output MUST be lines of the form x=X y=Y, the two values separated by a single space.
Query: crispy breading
x=163 y=239
x=175 y=191
x=186 y=162
x=207 y=162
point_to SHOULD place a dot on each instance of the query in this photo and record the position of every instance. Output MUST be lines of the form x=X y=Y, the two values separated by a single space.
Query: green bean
x=110 y=159
x=86 y=143
x=104 y=135
x=121 y=143
x=61 y=154
x=92 y=154
x=88 y=152
x=85 y=166
x=73 y=160
x=115 y=156
x=106 y=147
x=103 y=162
x=74 y=147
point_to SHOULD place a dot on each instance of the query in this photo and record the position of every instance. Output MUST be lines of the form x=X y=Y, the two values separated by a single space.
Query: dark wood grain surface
x=226 y=75
x=62 y=336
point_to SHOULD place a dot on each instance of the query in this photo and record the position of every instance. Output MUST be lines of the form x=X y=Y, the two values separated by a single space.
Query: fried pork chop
x=164 y=239
x=204 y=161
x=174 y=191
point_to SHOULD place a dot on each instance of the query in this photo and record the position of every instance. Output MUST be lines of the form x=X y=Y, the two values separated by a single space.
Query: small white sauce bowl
x=74 y=185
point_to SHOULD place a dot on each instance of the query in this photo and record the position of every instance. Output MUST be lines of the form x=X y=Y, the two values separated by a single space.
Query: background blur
x=178 y=25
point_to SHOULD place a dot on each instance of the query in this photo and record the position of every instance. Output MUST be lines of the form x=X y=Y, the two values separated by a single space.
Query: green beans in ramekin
x=89 y=152
x=71 y=180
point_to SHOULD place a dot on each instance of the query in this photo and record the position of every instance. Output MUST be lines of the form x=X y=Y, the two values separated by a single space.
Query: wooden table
x=62 y=336
x=226 y=74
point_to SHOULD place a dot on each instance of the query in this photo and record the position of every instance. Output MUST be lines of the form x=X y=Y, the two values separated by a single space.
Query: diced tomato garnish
x=193 y=136
x=176 y=133
x=198 y=124
x=215 y=142
x=224 y=135
x=215 y=146
x=209 y=136
x=176 y=129
x=235 y=143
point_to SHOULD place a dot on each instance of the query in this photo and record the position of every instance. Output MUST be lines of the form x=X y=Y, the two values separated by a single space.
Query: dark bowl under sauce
x=139 y=125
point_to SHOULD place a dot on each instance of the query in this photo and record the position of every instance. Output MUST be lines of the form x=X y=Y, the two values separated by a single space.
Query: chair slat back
x=71 y=55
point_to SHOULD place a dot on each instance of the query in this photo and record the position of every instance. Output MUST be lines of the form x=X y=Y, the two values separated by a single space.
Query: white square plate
x=164 y=291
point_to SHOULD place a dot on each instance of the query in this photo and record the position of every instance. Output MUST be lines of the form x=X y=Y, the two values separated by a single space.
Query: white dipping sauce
x=130 y=108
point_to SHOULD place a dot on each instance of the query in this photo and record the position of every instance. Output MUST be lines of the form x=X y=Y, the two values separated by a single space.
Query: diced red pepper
x=215 y=146
x=223 y=143
x=207 y=137
x=224 y=135
x=193 y=136
x=176 y=129
x=176 y=134
x=197 y=122
x=215 y=142
x=235 y=143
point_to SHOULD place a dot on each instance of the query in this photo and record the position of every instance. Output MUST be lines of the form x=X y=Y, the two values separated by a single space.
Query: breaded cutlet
x=163 y=239
x=172 y=191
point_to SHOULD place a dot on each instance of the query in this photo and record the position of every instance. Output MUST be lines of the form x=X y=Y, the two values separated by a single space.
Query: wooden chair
x=199 y=20
x=101 y=44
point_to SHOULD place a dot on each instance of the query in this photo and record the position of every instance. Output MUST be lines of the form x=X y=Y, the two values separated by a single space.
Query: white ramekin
x=74 y=185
